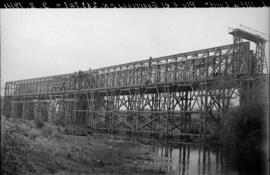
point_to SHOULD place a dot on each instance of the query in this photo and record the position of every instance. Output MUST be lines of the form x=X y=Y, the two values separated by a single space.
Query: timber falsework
x=181 y=94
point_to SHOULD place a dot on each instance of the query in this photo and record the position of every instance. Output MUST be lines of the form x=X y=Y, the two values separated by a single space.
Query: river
x=187 y=158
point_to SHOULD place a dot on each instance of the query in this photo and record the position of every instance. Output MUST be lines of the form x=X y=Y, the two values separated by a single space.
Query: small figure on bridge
x=150 y=61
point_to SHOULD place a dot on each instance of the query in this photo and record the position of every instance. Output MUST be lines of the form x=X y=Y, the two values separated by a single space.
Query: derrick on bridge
x=181 y=94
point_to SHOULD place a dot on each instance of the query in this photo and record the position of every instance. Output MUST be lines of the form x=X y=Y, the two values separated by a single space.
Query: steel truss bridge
x=181 y=94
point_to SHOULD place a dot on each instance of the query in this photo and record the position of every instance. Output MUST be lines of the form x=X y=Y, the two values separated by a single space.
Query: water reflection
x=186 y=158
x=182 y=158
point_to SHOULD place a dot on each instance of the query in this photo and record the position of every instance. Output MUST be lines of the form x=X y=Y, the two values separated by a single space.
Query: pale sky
x=43 y=42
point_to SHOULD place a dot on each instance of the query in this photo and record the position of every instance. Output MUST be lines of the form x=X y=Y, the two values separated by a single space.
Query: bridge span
x=181 y=94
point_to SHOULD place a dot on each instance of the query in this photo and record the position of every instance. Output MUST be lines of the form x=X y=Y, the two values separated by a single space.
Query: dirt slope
x=27 y=149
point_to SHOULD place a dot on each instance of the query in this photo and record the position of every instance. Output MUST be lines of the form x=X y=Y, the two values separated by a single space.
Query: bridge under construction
x=181 y=94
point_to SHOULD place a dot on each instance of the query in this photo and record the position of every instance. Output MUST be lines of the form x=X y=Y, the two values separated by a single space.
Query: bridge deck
x=185 y=68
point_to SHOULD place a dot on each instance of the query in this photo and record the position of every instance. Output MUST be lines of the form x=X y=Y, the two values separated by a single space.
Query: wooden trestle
x=182 y=94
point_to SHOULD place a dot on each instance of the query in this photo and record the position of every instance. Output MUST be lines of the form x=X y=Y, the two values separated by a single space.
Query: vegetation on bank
x=14 y=151
x=244 y=129
x=37 y=147
x=242 y=136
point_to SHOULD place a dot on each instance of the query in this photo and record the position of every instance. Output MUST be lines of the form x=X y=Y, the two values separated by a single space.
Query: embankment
x=30 y=148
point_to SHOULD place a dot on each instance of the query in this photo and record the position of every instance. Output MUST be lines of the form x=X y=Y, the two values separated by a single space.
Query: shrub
x=14 y=155
x=59 y=122
x=244 y=128
x=57 y=136
x=241 y=134
x=39 y=123
x=47 y=132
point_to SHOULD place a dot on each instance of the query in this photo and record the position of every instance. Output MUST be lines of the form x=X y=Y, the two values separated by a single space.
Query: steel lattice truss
x=182 y=94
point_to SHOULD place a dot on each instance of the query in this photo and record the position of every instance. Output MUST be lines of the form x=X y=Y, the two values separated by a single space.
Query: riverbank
x=28 y=148
x=37 y=147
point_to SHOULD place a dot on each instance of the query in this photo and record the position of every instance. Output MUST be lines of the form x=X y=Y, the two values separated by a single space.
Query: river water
x=184 y=158
x=188 y=159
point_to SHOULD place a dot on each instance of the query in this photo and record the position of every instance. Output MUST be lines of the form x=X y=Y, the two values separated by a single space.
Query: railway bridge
x=181 y=94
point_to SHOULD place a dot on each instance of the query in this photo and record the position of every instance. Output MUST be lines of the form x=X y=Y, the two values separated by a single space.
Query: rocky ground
x=28 y=148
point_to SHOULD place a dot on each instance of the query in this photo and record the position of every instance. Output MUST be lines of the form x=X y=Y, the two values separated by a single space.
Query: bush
x=39 y=123
x=47 y=132
x=57 y=136
x=244 y=128
x=59 y=122
x=242 y=134
x=14 y=155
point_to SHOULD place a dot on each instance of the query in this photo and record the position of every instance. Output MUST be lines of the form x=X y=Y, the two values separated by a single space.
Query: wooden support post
x=50 y=109
x=185 y=110
x=205 y=113
x=24 y=110
x=36 y=110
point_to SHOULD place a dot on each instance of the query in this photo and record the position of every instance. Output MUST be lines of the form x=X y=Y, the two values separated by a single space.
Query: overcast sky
x=38 y=42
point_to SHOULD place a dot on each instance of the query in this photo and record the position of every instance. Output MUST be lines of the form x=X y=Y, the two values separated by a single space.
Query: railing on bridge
x=198 y=65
